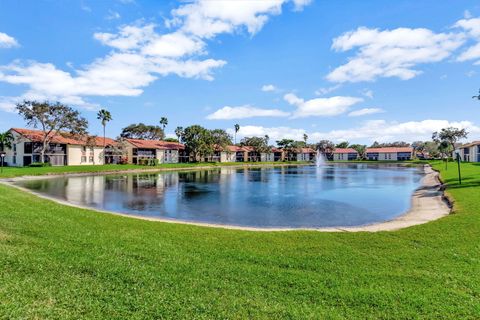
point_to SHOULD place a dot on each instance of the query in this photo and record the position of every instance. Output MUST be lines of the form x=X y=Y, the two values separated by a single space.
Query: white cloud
x=206 y=18
x=383 y=131
x=243 y=112
x=140 y=55
x=327 y=90
x=7 y=41
x=113 y=15
x=472 y=27
x=320 y=106
x=275 y=133
x=391 y=53
x=268 y=88
x=365 y=111
x=373 y=130
x=367 y=93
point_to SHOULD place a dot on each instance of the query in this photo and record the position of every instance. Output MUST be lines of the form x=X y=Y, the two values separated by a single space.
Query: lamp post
x=2 y=155
x=457 y=153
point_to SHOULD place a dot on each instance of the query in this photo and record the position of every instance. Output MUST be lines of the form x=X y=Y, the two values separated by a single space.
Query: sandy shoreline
x=428 y=204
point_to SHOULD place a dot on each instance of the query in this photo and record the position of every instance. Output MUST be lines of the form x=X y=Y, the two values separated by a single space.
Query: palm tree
x=163 y=123
x=305 y=138
x=6 y=139
x=179 y=132
x=104 y=116
x=267 y=138
x=237 y=128
x=477 y=97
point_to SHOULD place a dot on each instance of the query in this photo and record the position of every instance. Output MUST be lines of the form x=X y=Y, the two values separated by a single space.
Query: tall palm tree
x=237 y=128
x=305 y=138
x=104 y=116
x=179 y=132
x=477 y=97
x=6 y=140
x=163 y=123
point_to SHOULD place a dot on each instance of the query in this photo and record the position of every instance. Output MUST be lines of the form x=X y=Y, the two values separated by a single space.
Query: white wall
x=387 y=156
x=228 y=156
x=18 y=141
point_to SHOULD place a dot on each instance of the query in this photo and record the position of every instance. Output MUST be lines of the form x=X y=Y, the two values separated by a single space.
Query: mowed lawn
x=63 y=262
x=11 y=172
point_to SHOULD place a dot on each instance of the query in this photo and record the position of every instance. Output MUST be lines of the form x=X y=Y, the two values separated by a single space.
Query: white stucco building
x=63 y=149
x=470 y=152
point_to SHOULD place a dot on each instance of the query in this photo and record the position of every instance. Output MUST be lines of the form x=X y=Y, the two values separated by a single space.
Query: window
x=27 y=147
x=90 y=159
x=14 y=160
x=83 y=159
x=14 y=147
x=84 y=149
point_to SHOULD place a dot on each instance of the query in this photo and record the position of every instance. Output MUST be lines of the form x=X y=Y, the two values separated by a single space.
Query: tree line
x=58 y=119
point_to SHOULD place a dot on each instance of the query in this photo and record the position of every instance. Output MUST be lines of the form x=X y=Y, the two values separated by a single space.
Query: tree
x=53 y=119
x=326 y=147
x=477 y=97
x=198 y=141
x=342 y=145
x=142 y=131
x=179 y=132
x=237 y=128
x=221 y=138
x=163 y=122
x=451 y=136
x=305 y=138
x=259 y=145
x=267 y=138
x=6 y=140
x=104 y=116
x=360 y=148
x=170 y=140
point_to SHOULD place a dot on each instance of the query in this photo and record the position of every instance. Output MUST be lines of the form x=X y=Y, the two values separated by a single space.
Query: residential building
x=305 y=154
x=346 y=154
x=63 y=149
x=470 y=152
x=138 y=151
x=390 y=153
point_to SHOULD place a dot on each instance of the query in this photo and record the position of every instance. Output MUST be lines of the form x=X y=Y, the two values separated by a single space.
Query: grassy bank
x=10 y=172
x=62 y=262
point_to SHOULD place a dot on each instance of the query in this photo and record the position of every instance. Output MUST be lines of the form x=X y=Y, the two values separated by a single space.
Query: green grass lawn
x=63 y=262
x=10 y=172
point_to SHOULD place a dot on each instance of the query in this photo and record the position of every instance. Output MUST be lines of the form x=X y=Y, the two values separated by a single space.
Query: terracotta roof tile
x=389 y=150
x=345 y=150
x=156 y=144
x=64 y=138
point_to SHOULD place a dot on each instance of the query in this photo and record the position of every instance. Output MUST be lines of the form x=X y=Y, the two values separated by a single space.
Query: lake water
x=303 y=196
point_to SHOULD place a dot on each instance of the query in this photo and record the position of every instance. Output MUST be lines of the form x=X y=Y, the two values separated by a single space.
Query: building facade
x=147 y=151
x=63 y=149
x=389 y=154
x=345 y=154
x=470 y=152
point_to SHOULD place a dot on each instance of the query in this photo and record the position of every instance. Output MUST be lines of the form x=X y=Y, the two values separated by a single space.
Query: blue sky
x=341 y=70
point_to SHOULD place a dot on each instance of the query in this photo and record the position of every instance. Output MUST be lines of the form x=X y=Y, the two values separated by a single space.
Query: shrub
x=39 y=164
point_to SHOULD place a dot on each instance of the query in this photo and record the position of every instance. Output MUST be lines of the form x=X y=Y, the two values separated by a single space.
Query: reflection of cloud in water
x=304 y=196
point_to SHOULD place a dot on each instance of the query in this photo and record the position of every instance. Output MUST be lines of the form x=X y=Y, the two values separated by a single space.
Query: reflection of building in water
x=85 y=190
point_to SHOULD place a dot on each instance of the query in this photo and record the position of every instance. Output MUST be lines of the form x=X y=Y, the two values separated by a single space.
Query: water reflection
x=336 y=195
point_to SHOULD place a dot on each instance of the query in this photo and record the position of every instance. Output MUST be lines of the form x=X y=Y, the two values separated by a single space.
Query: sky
x=344 y=70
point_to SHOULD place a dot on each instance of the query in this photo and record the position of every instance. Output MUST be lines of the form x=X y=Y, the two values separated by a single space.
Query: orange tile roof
x=156 y=144
x=345 y=150
x=305 y=150
x=389 y=150
x=471 y=144
x=63 y=138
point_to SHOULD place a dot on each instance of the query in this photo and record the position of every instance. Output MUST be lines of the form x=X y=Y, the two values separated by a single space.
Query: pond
x=274 y=197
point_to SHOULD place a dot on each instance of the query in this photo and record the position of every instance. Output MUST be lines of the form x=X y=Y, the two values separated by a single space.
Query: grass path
x=62 y=262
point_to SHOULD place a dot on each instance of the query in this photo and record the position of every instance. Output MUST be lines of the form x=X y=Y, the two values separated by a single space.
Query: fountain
x=319 y=159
